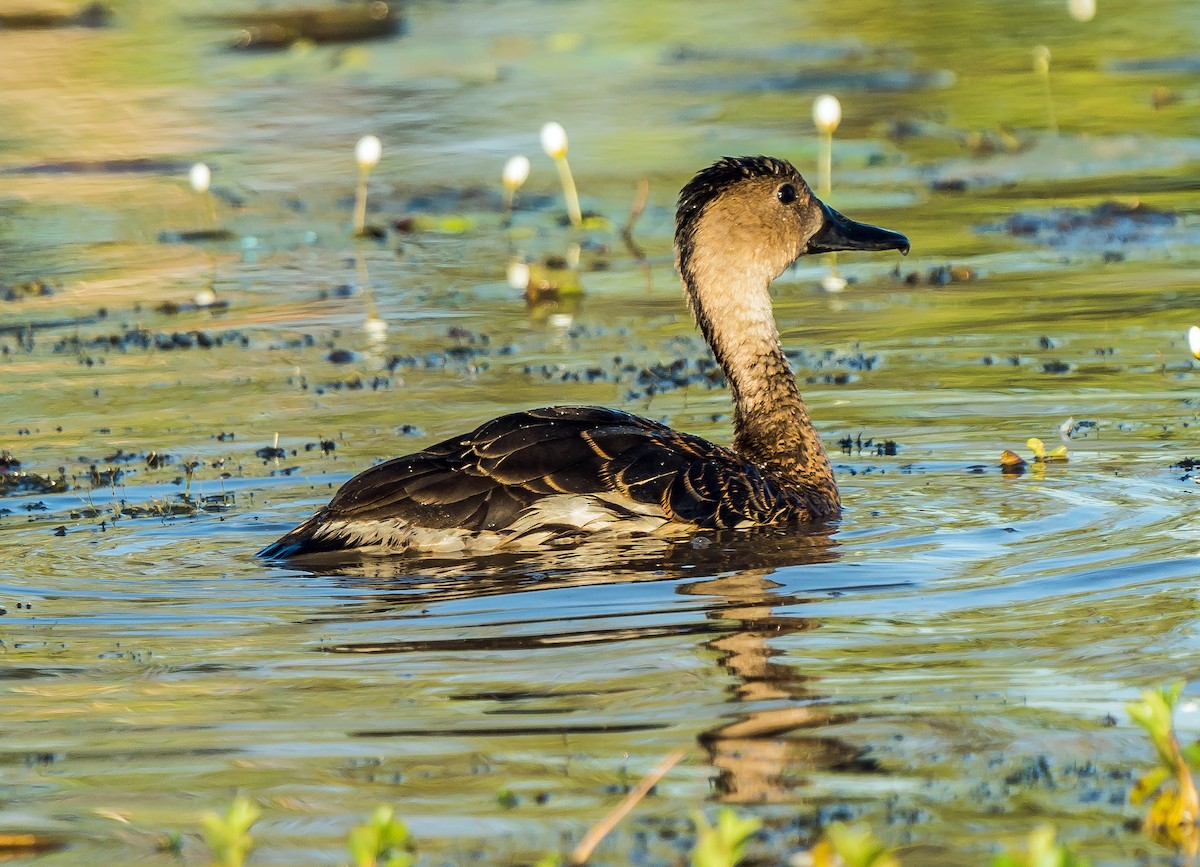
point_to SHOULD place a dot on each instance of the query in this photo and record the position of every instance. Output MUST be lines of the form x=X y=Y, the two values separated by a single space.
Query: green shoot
x=381 y=841
x=1041 y=67
x=723 y=844
x=228 y=836
x=1042 y=851
x=851 y=846
x=1169 y=788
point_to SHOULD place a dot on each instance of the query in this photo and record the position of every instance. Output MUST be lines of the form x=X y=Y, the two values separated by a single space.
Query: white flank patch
x=549 y=518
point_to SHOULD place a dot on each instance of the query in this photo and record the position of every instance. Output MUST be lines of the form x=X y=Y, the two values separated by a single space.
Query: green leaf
x=724 y=844
x=382 y=839
x=857 y=846
x=228 y=836
x=1148 y=785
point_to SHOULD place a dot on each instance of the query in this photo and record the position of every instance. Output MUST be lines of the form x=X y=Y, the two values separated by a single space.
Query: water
x=949 y=662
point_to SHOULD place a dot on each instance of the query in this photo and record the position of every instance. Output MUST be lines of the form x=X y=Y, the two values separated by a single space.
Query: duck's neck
x=771 y=427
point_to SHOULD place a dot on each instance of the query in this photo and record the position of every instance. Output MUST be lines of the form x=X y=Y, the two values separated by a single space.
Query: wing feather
x=488 y=479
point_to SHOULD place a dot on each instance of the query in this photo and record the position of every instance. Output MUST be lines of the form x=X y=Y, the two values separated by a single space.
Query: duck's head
x=756 y=215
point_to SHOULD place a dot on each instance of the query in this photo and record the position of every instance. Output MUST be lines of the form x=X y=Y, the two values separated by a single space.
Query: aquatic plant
x=367 y=153
x=598 y=831
x=851 y=846
x=1013 y=464
x=228 y=836
x=1041 y=66
x=381 y=841
x=554 y=143
x=200 y=177
x=724 y=843
x=1169 y=788
x=516 y=172
x=827 y=115
x=1081 y=10
x=1042 y=850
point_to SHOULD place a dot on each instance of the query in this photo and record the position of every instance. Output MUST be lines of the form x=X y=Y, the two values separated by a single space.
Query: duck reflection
x=757 y=755
x=760 y=754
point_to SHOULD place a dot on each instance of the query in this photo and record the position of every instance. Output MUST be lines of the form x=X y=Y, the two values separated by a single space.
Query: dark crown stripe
x=708 y=184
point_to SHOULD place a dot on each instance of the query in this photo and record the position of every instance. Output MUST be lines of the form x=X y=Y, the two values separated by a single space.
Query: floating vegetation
x=1110 y=225
x=26 y=289
x=14 y=845
x=228 y=836
x=381 y=841
x=116 y=166
x=15 y=483
x=857 y=445
x=279 y=28
x=939 y=275
x=1012 y=463
x=845 y=845
x=88 y=15
x=1169 y=790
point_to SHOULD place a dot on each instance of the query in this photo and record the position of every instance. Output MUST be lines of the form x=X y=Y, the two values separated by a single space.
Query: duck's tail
x=304 y=539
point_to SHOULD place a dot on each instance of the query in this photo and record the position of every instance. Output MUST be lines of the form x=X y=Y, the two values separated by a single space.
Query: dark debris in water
x=939 y=275
x=857 y=445
x=18 y=483
x=135 y=338
x=135 y=165
x=194 y=236
x=26 y=289
x=278 y=28
x=1105 y=227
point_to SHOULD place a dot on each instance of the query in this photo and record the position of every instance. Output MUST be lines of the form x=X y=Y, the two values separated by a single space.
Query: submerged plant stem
x=593 y=837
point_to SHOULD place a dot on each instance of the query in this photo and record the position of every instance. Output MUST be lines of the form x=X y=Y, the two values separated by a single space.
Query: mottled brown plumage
x=532 y=476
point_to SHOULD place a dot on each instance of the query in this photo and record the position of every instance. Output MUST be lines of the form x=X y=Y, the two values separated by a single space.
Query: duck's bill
x=839 y=232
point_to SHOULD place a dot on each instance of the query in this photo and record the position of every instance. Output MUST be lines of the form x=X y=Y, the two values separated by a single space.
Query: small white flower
x=1082 y=10
x=1041 y=60
x=827 y=113
x=200 y=177
x=554 y=140
x=518 y=275
x=368 y=151
x=516 y=172
x=1194 y=340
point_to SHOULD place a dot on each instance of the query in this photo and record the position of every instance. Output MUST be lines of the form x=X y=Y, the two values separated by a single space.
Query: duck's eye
x=786 y=194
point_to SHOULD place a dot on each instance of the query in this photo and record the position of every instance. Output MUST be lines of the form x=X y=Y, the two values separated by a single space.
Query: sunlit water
x=948 y=662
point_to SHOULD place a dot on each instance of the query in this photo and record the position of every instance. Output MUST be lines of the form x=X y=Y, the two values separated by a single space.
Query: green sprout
x=1169 y=788
x=723 y=844
x=228 y=836
x=851 y=846
x=381 y=841
x=1041 y=66
x=1042 y=851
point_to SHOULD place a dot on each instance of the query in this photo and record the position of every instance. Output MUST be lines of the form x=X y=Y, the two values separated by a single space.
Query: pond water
x=949 y=662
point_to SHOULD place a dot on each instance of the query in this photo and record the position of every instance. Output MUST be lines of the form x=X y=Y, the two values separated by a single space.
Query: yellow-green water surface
x=949 y=663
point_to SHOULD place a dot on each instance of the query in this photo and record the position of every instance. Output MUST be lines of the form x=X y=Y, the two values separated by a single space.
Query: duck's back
x=531 y=476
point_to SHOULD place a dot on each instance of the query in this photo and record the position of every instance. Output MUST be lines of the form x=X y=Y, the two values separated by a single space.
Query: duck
x=541 y=476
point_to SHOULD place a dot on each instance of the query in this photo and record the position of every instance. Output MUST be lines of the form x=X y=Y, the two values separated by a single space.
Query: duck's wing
x=559 y=469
